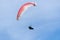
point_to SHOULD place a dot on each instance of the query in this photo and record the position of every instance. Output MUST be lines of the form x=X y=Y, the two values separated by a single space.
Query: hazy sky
x=44 y=18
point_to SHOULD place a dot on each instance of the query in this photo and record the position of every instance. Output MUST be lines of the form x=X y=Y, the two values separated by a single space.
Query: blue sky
x=44 y=18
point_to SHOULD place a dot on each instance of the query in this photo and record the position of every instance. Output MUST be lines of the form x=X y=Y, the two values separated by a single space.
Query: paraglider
x=24 y=7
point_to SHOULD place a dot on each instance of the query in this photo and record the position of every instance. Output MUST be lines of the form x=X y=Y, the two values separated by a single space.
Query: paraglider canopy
x=24 y=7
